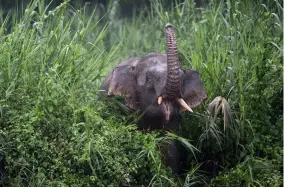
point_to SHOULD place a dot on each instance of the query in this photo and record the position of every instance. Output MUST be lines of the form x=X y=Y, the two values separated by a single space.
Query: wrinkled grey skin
x=143 y=79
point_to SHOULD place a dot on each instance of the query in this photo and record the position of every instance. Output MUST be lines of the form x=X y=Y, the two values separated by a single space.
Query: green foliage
x=252 y=172
x=54 y=131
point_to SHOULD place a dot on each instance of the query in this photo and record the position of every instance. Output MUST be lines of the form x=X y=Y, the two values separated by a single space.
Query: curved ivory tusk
x=184 y=104
x=160 y=100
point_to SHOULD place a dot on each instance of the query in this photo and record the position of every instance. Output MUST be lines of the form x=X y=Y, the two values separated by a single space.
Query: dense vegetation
x=54 y=131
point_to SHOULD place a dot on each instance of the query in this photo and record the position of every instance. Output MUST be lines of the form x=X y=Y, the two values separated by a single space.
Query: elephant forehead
x=158 y=69
x=152 y=74
x=130 y=62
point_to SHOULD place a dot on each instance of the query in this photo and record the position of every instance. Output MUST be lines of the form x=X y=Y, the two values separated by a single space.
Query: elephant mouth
x=179 y=100
x=168 y=107
x=167 y=110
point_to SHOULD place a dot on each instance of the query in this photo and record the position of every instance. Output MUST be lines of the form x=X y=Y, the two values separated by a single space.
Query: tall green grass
x=54 y=131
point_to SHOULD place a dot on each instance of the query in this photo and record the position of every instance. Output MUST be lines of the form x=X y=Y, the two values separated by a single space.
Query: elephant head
x=156 y=84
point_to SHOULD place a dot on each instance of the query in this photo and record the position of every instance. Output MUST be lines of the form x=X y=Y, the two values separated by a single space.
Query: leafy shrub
x=251 y=173
x=52 y=129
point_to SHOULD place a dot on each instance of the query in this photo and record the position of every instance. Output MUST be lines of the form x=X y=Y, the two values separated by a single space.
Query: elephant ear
x=121 y=82
x=192 y=90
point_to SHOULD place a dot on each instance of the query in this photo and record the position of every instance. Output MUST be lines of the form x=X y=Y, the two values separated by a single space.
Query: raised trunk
x=172 y=88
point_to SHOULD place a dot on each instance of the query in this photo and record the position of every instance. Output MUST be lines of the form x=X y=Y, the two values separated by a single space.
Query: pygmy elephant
x=156 y=85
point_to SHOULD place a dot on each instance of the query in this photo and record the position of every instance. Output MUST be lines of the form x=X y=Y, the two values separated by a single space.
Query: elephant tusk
x=184 y=104
x=160 y=100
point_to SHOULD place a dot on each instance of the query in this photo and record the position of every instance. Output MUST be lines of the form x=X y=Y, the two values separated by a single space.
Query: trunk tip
x=168 y=25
